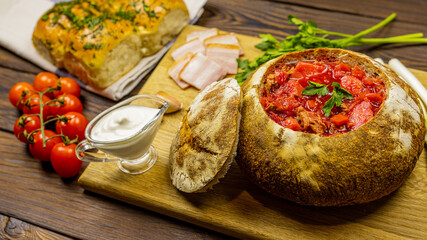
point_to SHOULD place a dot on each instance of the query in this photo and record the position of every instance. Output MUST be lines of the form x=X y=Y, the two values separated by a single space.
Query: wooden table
x=35 y=202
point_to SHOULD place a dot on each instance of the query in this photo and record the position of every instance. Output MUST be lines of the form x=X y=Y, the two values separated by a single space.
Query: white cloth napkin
x=19 y=17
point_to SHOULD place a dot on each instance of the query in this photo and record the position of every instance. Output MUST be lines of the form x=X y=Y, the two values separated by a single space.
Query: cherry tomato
x=18 y=92
x=26 y=124
x=44 y=80
x=73 y=125
x=36 y=145
x=67 y=85
x=64 y=160
x=66 y=103
x=32 y=106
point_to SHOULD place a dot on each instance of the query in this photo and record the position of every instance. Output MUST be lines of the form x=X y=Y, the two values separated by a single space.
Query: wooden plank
x=255 y=17
x=405 y=10
x=238 y=208
x=12 y=61
x=22 y=175
x=34 y=193
x=12 y=228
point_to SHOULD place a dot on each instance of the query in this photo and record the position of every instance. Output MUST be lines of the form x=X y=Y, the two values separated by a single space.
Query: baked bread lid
x=206 y=142
x=99 y=41
x=355 y=167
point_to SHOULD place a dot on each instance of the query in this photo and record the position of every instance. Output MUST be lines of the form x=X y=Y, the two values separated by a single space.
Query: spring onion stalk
x=379 y=60
x=412 y=81
x=402 y=71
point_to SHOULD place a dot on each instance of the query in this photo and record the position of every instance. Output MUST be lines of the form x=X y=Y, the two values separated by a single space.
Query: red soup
x=322 y=97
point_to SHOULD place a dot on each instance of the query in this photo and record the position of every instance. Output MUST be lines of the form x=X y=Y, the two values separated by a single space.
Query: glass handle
x=86 y=152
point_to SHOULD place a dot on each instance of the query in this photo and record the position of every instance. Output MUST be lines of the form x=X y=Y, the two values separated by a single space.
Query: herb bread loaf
x=99 y=41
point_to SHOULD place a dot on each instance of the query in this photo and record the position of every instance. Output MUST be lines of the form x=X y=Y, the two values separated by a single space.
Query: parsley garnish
x=88 y=46
x=72 y=46
x=45 y=17
x=95 y=21
x=310 y=36
x=338 y=94
x=244 y=64
x=268 y=41
x=125 y=15
x=316 y=88
x=149 y=12
x=96 y=15
x=55 y=19
x=165 y=8
x=93 y=45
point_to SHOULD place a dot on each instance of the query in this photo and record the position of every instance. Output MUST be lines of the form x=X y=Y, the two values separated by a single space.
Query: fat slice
x=194 y=46
x=222 y=50
x=228 y=64
x=224 y=39
x=202 y=34
x=225 y=55
x=175 y=70
x=202 y=71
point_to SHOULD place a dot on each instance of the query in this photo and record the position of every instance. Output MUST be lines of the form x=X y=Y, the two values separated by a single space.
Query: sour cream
x=123 y=122
x=117 y=131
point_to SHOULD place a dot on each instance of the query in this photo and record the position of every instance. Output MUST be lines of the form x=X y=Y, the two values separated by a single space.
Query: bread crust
x=352 y=168
x=206 y=142
x=100 y=47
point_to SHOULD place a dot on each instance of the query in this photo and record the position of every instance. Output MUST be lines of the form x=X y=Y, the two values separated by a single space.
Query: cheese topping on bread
x=99 y=41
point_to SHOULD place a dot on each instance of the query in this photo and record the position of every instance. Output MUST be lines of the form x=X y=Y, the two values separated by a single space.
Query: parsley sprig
x=316 y=88
x=310 y=36
x=338 y=94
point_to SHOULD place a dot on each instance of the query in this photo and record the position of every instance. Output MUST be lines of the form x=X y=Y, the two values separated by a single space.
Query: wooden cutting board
x=239 y=208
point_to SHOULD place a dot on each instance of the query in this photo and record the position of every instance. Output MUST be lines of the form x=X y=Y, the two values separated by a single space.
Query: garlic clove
x=174 y=104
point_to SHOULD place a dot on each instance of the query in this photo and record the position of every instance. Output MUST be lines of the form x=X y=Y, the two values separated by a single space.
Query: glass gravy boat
x=124 y=133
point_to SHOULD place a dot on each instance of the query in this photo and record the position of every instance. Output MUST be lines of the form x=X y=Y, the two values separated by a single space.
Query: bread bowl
x=206 y=142
x=353 y=167
x=100 y=41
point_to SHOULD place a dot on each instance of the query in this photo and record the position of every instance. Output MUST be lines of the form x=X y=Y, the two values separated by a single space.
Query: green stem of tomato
x=41 y=118
x=32 y=133
x=57 y=135
x=24 y=93
x=52 y=120
x=46 y=103
x=67 y=141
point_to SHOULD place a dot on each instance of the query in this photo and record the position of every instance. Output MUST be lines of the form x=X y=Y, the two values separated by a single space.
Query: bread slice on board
x=206 y=142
